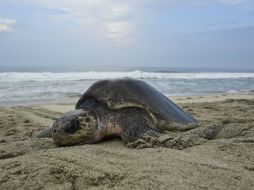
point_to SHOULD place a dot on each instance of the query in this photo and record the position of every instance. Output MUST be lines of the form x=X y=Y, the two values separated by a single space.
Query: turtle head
x=75 y=127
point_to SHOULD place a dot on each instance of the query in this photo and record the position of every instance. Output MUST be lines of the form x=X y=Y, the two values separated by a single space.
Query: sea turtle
x=126 y=107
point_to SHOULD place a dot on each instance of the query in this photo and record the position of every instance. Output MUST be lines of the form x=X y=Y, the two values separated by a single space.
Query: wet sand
x=227 y=162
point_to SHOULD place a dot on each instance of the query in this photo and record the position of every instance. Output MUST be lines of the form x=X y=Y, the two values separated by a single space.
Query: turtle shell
x=127 y=92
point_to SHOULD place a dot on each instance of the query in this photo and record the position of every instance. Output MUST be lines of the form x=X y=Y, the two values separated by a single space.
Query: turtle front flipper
x=136 y=126
x=148 y=139
x=134 y=133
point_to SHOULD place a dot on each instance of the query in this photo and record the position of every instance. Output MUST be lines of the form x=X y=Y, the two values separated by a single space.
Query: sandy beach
x=227 y=162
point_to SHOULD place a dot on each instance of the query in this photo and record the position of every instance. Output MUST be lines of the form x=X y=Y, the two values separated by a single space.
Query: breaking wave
x=92 y=75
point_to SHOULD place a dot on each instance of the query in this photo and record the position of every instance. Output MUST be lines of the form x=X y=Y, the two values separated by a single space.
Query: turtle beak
x=58 y=134
x=45 y=133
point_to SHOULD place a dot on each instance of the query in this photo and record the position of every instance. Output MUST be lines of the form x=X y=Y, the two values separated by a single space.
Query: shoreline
x=216 y=97
x=213 y=97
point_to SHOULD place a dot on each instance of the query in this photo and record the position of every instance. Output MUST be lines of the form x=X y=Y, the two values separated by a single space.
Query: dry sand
x=224 y=163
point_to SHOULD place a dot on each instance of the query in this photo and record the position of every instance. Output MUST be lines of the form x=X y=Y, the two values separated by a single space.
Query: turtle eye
x=87 y=119
x=71 y=127
x=75 y=124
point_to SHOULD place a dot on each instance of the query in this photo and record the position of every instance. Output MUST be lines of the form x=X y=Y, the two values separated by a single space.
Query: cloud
x=108 y=18
x=115 y=20
x=119 y=31
x=233 y=2
x=5 y=24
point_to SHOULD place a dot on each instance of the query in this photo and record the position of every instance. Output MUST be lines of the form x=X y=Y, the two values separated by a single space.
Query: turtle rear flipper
x=179 y=140
x=195 y=136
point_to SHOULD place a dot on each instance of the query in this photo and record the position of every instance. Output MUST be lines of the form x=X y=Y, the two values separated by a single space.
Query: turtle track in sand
x=38 y=111
x=18 y=125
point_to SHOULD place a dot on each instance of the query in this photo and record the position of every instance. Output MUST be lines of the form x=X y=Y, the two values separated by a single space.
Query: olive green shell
x=127 y=92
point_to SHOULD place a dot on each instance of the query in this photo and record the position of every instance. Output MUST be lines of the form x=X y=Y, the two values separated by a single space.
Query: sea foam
x=92 y=75
x=27 y=87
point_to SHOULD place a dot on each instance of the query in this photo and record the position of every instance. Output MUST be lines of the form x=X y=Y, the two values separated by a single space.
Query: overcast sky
x=159 y=33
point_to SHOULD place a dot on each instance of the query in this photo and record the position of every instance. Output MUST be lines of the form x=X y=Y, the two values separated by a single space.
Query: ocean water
x=20 y=87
